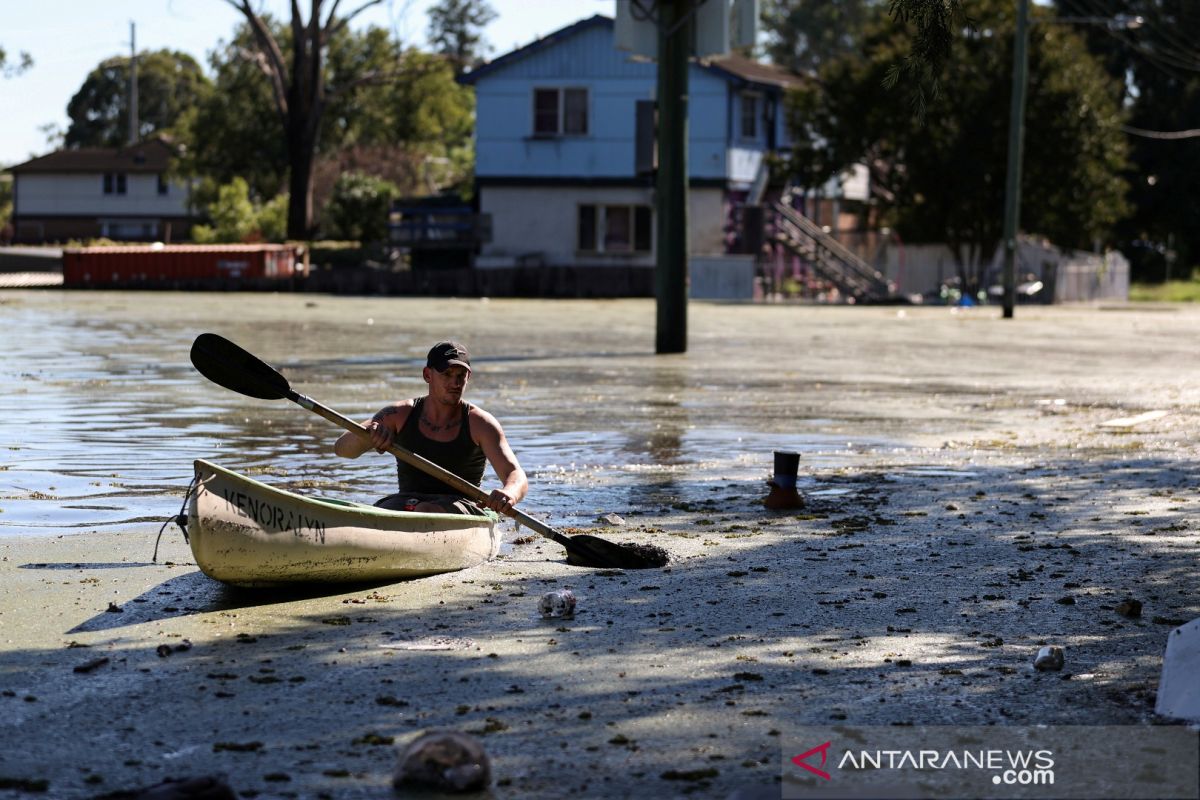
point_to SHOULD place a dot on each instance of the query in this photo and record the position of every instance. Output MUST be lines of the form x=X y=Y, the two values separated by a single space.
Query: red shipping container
x=222 y=264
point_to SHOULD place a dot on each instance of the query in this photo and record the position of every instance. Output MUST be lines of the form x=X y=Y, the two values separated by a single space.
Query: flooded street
x=102 y=412
x=977 y=490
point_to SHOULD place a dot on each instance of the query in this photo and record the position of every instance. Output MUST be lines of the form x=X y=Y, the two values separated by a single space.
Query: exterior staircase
x=828 y=257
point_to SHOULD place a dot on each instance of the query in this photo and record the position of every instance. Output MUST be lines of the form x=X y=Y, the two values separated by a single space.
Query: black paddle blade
x=226 y=364
x=592 y=551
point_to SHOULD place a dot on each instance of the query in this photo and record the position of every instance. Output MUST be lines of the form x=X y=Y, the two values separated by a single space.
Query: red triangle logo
x=823 y=749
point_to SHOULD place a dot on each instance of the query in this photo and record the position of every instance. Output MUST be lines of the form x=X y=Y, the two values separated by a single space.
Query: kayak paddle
x=227 y=365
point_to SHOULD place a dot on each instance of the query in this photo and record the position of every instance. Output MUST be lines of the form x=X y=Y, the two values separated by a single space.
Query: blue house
x=564 y=149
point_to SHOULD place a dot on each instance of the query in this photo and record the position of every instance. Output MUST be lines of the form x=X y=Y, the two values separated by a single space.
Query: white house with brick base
x=121 y=193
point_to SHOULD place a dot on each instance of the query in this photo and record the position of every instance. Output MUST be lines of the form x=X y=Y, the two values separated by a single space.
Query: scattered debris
x=560 y=603
x=431 y=643
x=372 y=738
x=165 y=650
x=237 y=747
x=1130 y=608
x=1049 y=659
x=92 y=665
x=444 y=760
x=1130 y=422
x=690 y=774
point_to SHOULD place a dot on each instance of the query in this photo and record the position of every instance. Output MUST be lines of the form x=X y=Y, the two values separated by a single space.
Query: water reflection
x=101 y=413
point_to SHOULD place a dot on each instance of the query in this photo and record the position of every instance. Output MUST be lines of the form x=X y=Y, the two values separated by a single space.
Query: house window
x=587 y=229
x=129 y=229
x=560 y=112
x=163 y=186
x=749 y=125
x=615 y=229
x=114 y=183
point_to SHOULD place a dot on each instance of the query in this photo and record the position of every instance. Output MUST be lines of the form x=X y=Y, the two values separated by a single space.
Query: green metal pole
x=671 y=275
x=1016 y=143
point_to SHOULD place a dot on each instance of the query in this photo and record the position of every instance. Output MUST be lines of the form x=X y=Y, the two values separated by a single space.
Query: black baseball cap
x=448 y=354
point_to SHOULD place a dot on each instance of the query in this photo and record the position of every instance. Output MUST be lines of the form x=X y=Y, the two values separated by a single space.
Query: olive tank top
x=460 y=455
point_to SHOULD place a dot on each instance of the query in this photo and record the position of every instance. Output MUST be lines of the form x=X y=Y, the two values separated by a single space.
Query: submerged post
x=671 y=267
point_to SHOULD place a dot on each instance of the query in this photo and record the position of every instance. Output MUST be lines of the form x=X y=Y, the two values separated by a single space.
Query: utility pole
x=133 y=84
x=1016 y=144
x=671 y=265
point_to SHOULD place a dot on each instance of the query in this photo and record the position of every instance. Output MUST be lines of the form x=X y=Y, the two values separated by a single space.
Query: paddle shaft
x=428 y=467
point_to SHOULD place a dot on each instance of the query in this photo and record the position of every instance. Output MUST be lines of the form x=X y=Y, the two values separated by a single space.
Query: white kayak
x=246 y=533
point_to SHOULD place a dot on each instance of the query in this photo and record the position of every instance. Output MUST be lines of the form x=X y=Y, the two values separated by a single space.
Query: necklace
x=454 y=423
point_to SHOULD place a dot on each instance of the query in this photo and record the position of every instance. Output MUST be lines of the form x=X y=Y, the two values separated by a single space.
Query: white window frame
x=560 y=128
x=115 y=183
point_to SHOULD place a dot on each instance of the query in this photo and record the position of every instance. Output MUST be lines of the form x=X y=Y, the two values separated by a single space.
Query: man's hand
x=381 y=435
x=500 y=501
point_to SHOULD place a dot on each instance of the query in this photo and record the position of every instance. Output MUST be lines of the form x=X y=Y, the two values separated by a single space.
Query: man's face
x=449 y=384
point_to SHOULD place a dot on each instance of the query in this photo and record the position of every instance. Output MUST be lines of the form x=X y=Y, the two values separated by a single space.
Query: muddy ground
x=1000 y=513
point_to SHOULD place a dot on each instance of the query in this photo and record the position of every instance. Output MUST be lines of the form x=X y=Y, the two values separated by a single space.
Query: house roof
x=540 y=44
x=753 y=71
x=153 y=155
x=732 y=65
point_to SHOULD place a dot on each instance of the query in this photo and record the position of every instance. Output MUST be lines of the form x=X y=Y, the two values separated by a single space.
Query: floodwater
x=102 y=414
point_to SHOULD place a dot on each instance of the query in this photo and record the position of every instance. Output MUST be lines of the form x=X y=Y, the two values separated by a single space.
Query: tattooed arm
x=383 y=427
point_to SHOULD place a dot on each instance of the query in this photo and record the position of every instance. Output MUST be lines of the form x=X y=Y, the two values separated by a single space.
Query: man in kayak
x=450 y=432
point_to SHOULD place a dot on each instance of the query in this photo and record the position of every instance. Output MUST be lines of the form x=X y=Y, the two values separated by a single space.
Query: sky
x=69 y=38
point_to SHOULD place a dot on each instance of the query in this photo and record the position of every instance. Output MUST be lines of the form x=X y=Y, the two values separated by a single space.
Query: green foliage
x=1167 y=292
x=237 y=218
x=392 y=112
x=8 y=70
x=943 y=179
x=1159 y=61
x=804 y=34
x=359 y=207
x=6 y=199
x=170 y=85
x=235 y=130
x=272 y=218
x=934 y=25
x=456 y=30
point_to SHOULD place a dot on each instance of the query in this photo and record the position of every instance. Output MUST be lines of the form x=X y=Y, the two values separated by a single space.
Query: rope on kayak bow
x=179 y=519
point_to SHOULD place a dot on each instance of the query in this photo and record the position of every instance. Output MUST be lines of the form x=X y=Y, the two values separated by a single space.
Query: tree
x=300 y=90
x=1160 y=62
x=236 y=217
x=234 y=132
x=359 y=207
x=943 y=180
x=412 y=114
x=10 y=71
x=170 y=84
x=933 y=24
x=804 y=34
x=6 y=206
x=456 y=30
